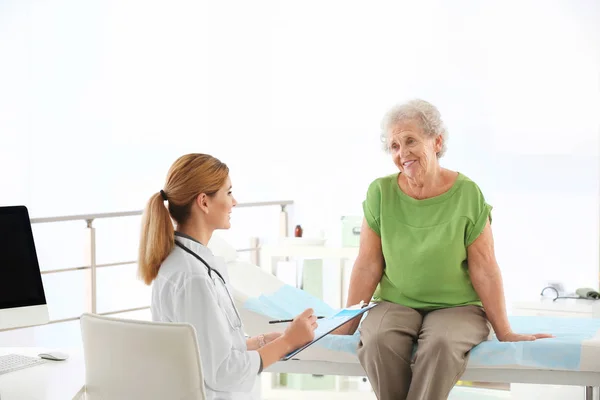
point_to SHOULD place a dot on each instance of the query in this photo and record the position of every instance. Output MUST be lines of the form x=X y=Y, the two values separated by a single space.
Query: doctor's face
x=220 y=205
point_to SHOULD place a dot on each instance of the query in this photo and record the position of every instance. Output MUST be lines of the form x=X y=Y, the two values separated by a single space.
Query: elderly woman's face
x=413 y=152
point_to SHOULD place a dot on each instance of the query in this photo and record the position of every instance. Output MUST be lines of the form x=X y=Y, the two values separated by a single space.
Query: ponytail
x=156 y=239
x=189 y=176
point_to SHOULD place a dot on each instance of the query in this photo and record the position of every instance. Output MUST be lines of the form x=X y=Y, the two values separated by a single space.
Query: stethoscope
x=238 y=323
x=210 y=269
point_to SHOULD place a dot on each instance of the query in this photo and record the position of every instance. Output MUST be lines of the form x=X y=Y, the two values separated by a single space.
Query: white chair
x=127 y=359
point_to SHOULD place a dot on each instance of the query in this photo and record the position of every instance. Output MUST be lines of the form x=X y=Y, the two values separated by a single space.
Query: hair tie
x=163 y=194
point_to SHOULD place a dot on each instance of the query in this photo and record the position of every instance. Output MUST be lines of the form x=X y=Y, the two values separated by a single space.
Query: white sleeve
x=225 y=369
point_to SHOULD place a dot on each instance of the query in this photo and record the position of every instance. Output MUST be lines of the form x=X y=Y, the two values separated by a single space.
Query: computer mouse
x=54 y=356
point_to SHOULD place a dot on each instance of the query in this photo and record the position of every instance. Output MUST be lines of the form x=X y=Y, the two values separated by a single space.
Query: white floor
x=459 y=393
x=478 y=394
x=351 y=388
x=456 y=394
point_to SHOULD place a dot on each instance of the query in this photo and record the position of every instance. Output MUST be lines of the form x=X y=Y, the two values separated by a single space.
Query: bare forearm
x=487 y=282
x=252 y=343
x=363 y=283
x=274 y=351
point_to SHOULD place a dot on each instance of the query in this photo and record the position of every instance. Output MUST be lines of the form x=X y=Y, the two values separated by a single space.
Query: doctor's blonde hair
x=188 y=177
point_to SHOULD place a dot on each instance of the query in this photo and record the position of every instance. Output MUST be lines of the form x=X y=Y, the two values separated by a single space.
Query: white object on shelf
x=287 y=272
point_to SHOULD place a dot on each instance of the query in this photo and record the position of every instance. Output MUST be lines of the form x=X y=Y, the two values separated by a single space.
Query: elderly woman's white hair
x=421 y=111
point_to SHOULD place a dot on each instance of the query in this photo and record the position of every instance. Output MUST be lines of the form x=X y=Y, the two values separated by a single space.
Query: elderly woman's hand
x=517 y=337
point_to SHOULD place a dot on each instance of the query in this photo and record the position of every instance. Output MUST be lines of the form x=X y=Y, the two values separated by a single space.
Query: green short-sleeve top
x=425 y=242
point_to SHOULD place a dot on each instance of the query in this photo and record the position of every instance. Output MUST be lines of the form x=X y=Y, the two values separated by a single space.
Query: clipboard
x=328 y=325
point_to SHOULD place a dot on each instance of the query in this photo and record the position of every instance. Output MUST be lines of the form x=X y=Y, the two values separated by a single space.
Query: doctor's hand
x=301 y=330
x=297 y=334
x=269 y=337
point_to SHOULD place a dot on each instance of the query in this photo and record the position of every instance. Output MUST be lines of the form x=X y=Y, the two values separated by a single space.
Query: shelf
x=308 y=251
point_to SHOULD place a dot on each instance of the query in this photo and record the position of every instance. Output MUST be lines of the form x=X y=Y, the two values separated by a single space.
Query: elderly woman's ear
x=439 y=145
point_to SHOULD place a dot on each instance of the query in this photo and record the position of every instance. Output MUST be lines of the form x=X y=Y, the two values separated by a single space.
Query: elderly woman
x=426 y=246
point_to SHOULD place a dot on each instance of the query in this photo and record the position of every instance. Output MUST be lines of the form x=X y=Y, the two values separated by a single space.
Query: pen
x=281 y=321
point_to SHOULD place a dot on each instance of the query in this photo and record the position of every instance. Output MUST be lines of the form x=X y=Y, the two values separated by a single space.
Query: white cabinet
x=270 y=252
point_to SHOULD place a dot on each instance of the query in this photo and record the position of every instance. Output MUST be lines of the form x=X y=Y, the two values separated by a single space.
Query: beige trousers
x=444 y=337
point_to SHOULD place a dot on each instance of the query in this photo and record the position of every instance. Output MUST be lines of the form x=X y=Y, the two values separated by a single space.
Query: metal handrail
x=87 y=217
x=93 y=266
x=120 y=263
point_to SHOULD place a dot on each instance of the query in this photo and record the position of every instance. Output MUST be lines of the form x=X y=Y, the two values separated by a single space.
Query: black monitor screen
x=20 y=279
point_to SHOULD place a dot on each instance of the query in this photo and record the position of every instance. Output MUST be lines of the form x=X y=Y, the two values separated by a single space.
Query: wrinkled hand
x=517 y=337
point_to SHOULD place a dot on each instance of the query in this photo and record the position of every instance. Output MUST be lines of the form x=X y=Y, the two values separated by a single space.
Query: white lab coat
x=184 y=292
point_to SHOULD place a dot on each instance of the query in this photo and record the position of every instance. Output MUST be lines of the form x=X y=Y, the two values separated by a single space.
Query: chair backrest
x=127 y=359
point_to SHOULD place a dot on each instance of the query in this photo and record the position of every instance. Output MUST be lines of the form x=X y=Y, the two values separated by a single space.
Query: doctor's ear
x=202 y=202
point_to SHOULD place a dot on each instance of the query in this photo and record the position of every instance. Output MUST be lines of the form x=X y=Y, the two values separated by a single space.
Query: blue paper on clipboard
x=329 y=324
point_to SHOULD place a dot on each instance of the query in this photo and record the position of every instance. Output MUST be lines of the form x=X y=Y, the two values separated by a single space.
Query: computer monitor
x=22 y=297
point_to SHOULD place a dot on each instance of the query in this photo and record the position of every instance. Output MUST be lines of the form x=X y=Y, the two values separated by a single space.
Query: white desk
x=54 y=380
x=576 y=308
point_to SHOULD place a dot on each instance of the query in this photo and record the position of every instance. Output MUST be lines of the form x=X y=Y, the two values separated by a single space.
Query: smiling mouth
x=408 y=163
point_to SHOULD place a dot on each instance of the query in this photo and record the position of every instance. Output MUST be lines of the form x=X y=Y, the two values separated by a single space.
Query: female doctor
x=190 y=284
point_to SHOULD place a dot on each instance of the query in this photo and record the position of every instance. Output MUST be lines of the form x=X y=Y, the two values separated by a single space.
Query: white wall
x=98 y=98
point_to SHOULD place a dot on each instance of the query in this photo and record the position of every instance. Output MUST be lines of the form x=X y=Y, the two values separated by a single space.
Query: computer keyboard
x=14 y=362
